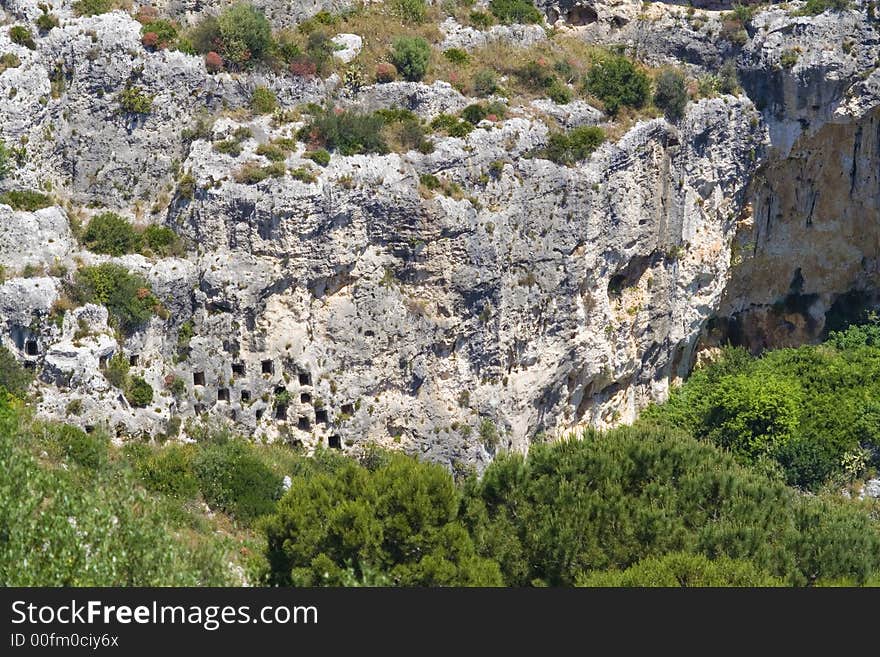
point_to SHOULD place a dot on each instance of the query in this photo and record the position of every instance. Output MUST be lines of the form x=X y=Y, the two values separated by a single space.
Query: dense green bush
x=27 y=200
x=671 y=94
x=611 y=500
x=5 y=156
x=410 y=56
x=88 y=450
x=169 y=471
x=133 y=100
x=400 y=518
x=348 y=132
x=573 y=146
x=233 y=479
x=410 y=11
x=816 y=7
x=803 y=409
x=127 y=296
x=245 y=33
x=93 y=7
x=63 y=527
x=680 y=569
x=111 y=234
x=139 y=393
x=515 y=11
x=21 y=35
x=13 y=377
x=164 y=33
x=263 y=101
x=162 y=241
x=617 y=82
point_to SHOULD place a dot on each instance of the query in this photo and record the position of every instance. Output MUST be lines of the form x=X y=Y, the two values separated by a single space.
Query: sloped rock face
x=349 y=304
x=807 y=258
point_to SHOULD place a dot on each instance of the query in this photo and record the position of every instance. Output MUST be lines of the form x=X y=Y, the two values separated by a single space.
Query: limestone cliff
x=540 y=298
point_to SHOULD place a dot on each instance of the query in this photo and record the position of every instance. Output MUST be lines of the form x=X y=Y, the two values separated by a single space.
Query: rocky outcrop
x=807 y=256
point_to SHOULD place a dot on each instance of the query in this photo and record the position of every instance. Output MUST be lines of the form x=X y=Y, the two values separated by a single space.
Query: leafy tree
x=410 y=56
x=245 y=33
x=671 y=94
x=608 y=501
x=617 y=82
x=400 y=518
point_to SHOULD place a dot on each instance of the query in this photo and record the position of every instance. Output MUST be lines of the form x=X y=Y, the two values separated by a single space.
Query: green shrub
x=568 y=148
x=232 y=478
x=559 y=93
x=25 y=200
x=169 y=471
x=127 y=296
x=91 y=451
x=93 y=7
x=245 y=33
x=536 y=75
x=608 y=501
x=485 y=82
x=111 y=234
x=671 y=94
x=47 y=21
x=474 y=113
x=263 y=101
x=348 y=132
x=21 y=35
x=617 y=82
x=60 y=528
x=680 y=569
x=205 y=35
x=5 y=157
x=14 y=378
x=802 y=409
x=320 y=157
x=816 y=7
x=399 y=518
x=457 y=56
x=410 y=56
x=139 y=393
x=165 y=33
x=515 y=11
x=410 y=11
x=481 y=20
x=162 y=241
x=451 y=125
x=134 y=101
x=117 y=371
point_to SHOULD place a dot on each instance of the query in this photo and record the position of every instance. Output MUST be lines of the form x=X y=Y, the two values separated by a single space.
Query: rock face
x=349 y=304
x=808 y=255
